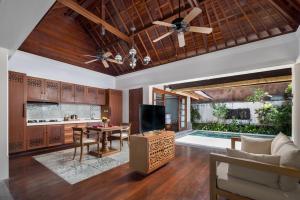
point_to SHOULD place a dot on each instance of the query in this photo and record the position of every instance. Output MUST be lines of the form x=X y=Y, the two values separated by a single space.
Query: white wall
x=296 y=104
x=3 y=114
x=42 y=67
x=18 y=18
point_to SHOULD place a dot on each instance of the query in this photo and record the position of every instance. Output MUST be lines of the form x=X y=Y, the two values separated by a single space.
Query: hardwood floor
x=184 y=178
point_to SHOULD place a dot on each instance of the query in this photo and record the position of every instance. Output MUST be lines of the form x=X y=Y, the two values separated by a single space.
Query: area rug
x=72 y=171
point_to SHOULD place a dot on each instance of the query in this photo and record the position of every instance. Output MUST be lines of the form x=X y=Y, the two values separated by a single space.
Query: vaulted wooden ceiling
x=66 y=36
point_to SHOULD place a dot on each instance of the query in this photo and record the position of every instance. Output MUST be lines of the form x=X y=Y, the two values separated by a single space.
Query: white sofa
x=243 y=175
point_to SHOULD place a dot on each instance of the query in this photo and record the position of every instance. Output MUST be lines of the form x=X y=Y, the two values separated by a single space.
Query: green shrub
x=239 y=128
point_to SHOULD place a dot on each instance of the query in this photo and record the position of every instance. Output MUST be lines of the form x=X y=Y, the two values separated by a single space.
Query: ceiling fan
x=181 y=25
x=104 y=58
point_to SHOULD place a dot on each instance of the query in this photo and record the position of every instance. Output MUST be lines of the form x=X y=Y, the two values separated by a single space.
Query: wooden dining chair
x=122 y=135
x=81 y=139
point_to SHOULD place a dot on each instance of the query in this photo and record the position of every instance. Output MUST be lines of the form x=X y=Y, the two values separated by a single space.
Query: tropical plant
x=220 y=111
x=288 y=93
x=258 y=96
x=195 y=115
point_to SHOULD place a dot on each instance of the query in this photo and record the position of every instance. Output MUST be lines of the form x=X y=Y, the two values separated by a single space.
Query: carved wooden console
x=149 y=152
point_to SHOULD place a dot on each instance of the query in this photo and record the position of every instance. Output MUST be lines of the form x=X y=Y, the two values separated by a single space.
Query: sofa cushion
x=256 y=176
x=290 y=157
x=256 y=145
x=249 y=189
x=278 y=141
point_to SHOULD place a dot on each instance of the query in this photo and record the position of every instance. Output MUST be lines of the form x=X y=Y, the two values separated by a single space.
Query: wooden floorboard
x=184 y=178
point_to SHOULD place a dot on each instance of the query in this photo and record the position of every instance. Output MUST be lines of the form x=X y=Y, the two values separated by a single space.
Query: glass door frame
x=180 y=97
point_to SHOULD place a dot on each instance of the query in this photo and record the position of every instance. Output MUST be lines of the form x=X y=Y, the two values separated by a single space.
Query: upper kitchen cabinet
x=101 y=97
x=17 y=112
x=91 y=95
x=80 y=92
x=35 y=89
x=114 y=101
x=52 y=91
x=42 y=90
x=67 y=93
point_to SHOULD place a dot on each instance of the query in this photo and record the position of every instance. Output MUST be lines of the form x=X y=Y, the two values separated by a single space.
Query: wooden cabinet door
x=17 y=112
x=55 y=135
x=101 y=97
x=36 y=137
x=35 y=89
x=91 y=95
x=115 y=104
x=67 y=93
x=80 y=92
x=52 y=91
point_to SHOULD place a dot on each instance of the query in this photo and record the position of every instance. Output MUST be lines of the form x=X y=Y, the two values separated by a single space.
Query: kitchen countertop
x=64 y=122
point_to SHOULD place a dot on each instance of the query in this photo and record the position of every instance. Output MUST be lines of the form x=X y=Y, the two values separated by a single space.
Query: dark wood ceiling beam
x=246 y=17
x=153 y=47
x=237 y=21
x=227 y=22
x=89 y=15
x=119 y=16
x=218 y=21
x=281 y=9
x=210 y=25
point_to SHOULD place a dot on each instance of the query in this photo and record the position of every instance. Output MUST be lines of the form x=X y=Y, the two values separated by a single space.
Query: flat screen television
x=152 y=117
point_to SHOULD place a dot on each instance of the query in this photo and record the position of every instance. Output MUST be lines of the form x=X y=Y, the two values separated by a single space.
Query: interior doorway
x=135 y=100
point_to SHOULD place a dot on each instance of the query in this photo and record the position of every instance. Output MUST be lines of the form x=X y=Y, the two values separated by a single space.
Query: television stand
x=151 y=151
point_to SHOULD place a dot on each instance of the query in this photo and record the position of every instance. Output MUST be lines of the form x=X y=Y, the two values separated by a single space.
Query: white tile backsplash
x=36 y=111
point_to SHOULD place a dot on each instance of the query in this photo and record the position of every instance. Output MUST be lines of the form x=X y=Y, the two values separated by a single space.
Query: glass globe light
x=118 y=58
x=132 y=64
x=132 y=51
x=146 y=60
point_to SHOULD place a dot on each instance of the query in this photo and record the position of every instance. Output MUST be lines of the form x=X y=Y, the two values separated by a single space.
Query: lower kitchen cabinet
x=55 y=135
x=68 y=131
x=36 y=137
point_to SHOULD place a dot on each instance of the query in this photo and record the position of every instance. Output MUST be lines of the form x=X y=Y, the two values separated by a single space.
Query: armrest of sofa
x=234 y=140
x=281 y=170
x=215 y=158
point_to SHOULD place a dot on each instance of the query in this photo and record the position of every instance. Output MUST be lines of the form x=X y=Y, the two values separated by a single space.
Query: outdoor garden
x=270 y=118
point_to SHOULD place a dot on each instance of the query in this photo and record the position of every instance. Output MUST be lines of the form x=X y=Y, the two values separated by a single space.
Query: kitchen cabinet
x=17 y=112
x=35 y=89
x=42 y=90
x=101 y=97
x=55 y=135
x=91 y=95
x=68 y=131
x=80 y=92
x=114 y=102
x=36 y=137
x=52 y=91
x=67 y=93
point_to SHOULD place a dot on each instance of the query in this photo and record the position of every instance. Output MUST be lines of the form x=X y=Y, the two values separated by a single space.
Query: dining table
x=105 y=132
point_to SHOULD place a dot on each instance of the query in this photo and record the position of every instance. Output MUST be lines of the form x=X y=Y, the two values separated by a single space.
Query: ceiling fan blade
x=181 y=39
x=90 y=56
x=163 y=36
x=107 y=54
x=114 y=61
x=106 y=65
x=194 y=13
x=161 y=23
x=91 y=61
x=197 y=29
